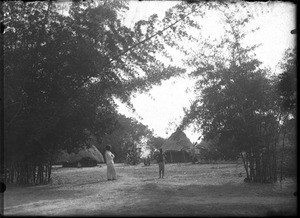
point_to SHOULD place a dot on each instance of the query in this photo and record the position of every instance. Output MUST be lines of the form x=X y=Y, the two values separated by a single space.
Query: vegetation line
x=157 y=33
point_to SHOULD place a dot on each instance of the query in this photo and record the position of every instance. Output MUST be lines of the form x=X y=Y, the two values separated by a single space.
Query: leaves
x=62 y=72
x=234 y=93
x=286 y=85
x=128 y=136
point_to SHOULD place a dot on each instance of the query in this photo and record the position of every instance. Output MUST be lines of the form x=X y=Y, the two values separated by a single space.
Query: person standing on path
x=161 y=163
x=109 y=157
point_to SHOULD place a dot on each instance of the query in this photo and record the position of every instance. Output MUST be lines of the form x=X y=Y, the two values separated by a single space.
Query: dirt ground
x=187 y=190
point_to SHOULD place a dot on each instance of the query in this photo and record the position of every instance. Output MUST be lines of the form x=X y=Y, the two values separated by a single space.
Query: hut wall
x=177 y=157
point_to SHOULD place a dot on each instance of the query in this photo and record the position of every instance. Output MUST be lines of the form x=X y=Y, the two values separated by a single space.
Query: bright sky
x=169 y=99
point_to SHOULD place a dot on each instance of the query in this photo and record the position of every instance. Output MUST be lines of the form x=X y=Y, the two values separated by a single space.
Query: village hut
x=178 y=147
x=86 y=157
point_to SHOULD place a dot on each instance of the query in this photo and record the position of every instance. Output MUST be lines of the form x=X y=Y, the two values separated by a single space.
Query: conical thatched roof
x=177 y=141
x=91 y=152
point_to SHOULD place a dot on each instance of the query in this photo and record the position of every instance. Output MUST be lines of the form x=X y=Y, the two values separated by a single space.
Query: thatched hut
x=178 y=147
x=86 y=157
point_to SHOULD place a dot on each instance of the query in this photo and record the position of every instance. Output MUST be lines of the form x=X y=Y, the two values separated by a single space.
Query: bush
x=133 y=158
x=84 y=162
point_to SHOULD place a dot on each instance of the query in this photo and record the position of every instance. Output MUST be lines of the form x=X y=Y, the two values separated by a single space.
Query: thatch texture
x=178 y=141
x=91 y=152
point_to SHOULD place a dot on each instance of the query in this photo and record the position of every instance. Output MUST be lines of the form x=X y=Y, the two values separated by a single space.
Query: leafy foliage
x=154 y=144
x=237 y=102
x=62 y=72
x=127 y=139
x=211 y=150
x=287 y=85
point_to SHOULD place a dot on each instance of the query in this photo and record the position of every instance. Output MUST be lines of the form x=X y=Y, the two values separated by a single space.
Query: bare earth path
x=188 y=189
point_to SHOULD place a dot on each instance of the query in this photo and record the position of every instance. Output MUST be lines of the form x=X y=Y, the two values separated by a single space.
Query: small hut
x=178 y=147
x=86 y=157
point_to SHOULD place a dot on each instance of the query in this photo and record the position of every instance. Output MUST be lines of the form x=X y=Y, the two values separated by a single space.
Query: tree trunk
x=34 y=173
x=251 y=166
x=11 y=173
x=264 y=167
x=274 y=160
x=49 y=172
x=282 y=154
x=245 y=165
x=257 y=167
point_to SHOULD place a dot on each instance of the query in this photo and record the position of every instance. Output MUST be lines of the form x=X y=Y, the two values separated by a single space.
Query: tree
x=61 y=75
x=154 y=144
x=43 y=69
x=127 y=139
x=236 y=101
x=213 y=150
x=287 y=84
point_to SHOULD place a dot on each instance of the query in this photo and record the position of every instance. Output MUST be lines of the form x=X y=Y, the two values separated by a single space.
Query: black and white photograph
x=148 y=108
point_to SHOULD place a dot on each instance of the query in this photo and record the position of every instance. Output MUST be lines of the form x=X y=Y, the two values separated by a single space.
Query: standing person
x=161 y=163
x=109 y=157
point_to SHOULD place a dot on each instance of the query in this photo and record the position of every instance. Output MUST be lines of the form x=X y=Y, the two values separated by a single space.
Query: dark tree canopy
x=287 y=85
x=237 y=100
x=62 y=73
x=128 y=137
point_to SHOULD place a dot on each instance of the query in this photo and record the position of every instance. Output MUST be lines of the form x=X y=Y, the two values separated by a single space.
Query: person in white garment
x=109 y=157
